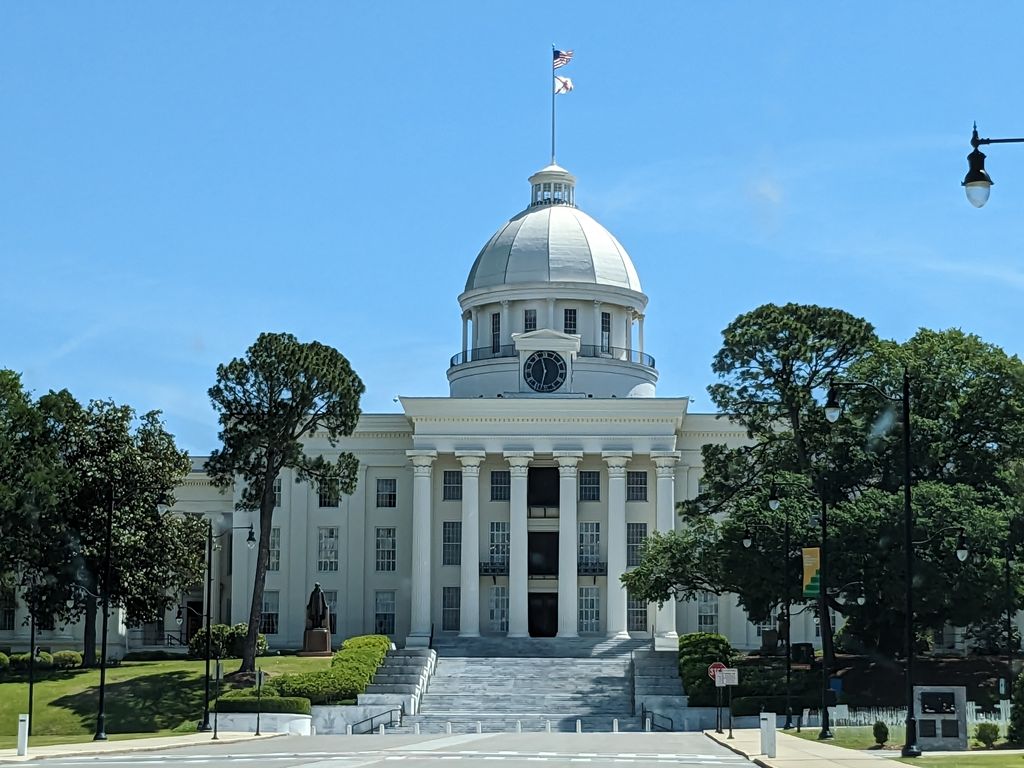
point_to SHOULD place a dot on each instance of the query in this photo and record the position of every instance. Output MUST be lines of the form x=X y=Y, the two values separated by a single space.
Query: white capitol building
x=509 y=508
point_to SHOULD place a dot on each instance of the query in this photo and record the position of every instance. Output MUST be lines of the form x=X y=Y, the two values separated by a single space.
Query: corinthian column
x=469 y=595
x=419 y=632
x=568 y=545
x=518 y=580
x=616 y=612
x=665 y=467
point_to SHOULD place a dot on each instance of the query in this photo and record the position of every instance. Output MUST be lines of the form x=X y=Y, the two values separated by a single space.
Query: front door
x=543 y=607
x=195 y=618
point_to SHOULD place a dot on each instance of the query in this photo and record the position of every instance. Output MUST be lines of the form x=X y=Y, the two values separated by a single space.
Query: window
x=450 y=599
x=636 y=615
x=327 y=549
x=268 y=620
x=329 y=493
x=590 y=543
x=590 y=609
x=529 y=320
x=590 y=485
x=495 y=332
x=499 y=542
x=384 y=612
x=7 y=604
x=569 y=320
x=451 y=542
x=331 y=596
x=275 y=550
x=636 y=534
x=636 y=486
x=817 y=622
x=707 y=612
x=277 y=492
x=501 y=485
x=452 y=489
x=606 y=331
x=387 y=492
x=498 y=608
x=385 y=549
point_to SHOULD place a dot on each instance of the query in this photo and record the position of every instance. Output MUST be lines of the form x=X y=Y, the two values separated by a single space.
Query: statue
x=316 y=641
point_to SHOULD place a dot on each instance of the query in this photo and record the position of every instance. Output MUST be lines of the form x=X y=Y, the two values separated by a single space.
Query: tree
x=677 y=565
x=282 y=392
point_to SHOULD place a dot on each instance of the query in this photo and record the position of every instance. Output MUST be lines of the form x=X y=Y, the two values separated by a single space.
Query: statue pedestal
x=316 y=642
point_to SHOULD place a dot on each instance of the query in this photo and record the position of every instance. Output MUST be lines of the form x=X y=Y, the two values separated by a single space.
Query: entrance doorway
x=542 y=553
x=543 y=614
x=542 y=487
x=195 y=619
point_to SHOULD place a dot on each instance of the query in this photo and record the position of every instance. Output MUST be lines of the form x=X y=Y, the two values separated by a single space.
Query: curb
x=42 y=755
x=738 y=751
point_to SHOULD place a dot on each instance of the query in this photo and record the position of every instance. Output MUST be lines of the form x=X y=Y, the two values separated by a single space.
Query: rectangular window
x=636 y=534
x=606 y=331
x=327 y=549
x=590 y=609
x=707 y=612
x=274 y=563
x=590 y=543
x=387 y=492
x=498 y=608
x=385 y=550
x=590 y=485
x=495 y=332
x=501 y=485
x=636 y=615
x=499 y=542
x=450 y=599
x=569 y=320
x=452 y=488
x=331 y=596
x=329 y=493
x=268 y=620
x=7 y=604
x=451 y=542
x=384 y=612
x=277 y=492
x=636 y=486
x=529 y=320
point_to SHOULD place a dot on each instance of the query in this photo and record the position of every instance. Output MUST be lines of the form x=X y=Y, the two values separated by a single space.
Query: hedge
x=5 y=662
x=696 y=651
x=295 y=705
x=352 y=668
x=67 y=659
x=21 y=661
x=225 y=642
x=382 y=642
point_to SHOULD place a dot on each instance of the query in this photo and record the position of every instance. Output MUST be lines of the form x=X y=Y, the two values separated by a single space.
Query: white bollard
x=519 y=726
x=22 y=735
x=768 y=723
x=312 y=730
x=416 y=728
x=479 y=727
x=381 y=729
x=615 y=725
x=448 y=727
x=647 y=725
x=348 y=729
x=548 y=725
x=579 y=727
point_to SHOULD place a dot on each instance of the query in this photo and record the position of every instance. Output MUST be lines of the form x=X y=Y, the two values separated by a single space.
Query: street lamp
x=1008 y=561
x=101 y=714
x=977 y=183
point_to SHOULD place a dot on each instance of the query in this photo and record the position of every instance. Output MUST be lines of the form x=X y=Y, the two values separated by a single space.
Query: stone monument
x=941 y=712
x=317 y=639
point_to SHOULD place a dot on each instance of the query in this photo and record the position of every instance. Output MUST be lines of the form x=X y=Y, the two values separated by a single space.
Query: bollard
x=416 y=728
x=22 y=735
x=768 y=722
x=348 y=729
x=312 y=730
x=579 y=727
x=615 y=725
x=448 y=727
x=381 y=729
x=548 y=725
x=647 y=725
x=519 y=726
x=479 y=727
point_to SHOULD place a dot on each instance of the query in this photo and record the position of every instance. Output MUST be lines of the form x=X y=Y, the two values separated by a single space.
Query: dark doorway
x=543 y=608
x=542 y=487
x=195 y=618
x=542 y=548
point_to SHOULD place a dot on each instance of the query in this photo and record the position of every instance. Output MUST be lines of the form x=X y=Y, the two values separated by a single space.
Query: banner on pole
x=812 y=571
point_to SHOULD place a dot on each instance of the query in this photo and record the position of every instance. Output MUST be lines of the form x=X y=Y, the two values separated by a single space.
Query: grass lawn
x=989 y=759
x=144 y=698
x=852 y=736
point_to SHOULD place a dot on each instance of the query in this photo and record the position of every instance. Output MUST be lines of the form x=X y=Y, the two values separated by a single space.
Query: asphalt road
x=533 y=750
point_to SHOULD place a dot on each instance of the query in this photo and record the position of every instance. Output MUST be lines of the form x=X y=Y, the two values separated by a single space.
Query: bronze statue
x=317 y=613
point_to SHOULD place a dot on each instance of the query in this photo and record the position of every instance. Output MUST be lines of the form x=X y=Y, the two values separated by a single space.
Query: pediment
x=545 y=338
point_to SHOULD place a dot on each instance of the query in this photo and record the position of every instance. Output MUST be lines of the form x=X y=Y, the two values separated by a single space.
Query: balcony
x=494 y=567
x=586 y=350
x=483 y=353
x=591 y=568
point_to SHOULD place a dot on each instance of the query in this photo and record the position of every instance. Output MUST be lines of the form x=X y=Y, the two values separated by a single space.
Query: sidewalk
x=794 y=752
x=92 y=748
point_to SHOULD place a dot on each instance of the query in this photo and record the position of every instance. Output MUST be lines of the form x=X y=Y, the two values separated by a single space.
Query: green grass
x=990 y=759
x=851 y=736
x=143 y=698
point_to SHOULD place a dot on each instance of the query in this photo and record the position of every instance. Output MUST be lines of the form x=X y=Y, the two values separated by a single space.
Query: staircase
x=499 y=681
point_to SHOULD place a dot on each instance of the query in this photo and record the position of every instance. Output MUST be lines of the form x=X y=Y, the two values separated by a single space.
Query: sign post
x=726 y=677
x=712 y=673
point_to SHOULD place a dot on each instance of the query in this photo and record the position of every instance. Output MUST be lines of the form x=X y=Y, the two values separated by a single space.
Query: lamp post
x=101 y=714
x=977 y=183
x=1008 y=561
x=33 y=652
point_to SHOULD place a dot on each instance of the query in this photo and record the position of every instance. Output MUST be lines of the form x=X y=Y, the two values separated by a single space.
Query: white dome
x=553 y=241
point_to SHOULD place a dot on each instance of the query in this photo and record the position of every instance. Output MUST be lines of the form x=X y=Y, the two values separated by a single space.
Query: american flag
x=561 y=59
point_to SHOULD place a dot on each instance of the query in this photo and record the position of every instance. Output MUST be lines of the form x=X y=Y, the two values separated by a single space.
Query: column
x=597 y=327
x=506 y=331
x=469 y=593
x=629 y=332
x=640 y=331
x=518 y=579
x=616 y=538
x=474 y=336
x=422 y=493
x=665 y=468
x=465 y=334
x=568 y=544
x=551 y=315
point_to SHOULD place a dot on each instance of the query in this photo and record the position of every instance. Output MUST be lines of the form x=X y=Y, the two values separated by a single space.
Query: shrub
x=987 y=733
x=352 y=668
x=5 y=662
x=383 y=642
x=67 y=659
x=881 y=733
x=1015 y=733
x=20 y=661
x=225 y=642
x=286 y=704
x=696 y=651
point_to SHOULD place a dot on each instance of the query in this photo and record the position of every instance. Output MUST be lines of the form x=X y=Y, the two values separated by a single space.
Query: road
x=533 y=750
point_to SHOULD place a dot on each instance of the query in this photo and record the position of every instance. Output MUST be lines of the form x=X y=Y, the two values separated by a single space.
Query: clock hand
x=544 y=368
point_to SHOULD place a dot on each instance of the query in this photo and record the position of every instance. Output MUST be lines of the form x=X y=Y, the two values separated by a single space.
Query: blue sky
x=176 y=178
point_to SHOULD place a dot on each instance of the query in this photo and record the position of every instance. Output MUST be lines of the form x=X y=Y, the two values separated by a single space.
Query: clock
x=544 y=371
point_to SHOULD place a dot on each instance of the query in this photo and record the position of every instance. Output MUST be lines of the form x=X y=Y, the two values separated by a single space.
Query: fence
x=897 y=717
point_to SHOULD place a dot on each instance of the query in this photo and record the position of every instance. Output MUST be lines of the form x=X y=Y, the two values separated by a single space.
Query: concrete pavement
x=122 y=746
x=794 y=752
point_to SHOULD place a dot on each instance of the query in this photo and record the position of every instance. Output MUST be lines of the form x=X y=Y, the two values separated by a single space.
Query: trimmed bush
x=225 y=642
x=295 y=705
x=20 y=661
x=881 y=733
x=352 y=668
x=5 y=662
x=696 y=651
x=67 y=659
x=987 y=734
x=383 y=642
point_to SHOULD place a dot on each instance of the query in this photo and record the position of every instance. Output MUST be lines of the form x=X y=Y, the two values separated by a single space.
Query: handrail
x=391 y=720
x=430 y=641
x=483 y=353
x=623 y=354
x=644 y=712
x=632 y=684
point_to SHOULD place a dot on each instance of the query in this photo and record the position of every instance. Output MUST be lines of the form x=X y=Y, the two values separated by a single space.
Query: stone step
x=400 y=678
x=530 y=723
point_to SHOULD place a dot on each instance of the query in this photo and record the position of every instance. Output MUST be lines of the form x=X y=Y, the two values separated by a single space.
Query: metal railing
x=591 y=568
x=494 y=567
x=586 y=350
x=483 y=353
x=372 y=722
x=645 y=713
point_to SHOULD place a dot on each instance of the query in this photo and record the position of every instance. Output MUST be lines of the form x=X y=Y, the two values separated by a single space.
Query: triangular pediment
x=545 y=338
x=544 y=334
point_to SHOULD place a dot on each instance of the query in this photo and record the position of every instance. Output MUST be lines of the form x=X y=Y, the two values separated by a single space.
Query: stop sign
x=713 y=668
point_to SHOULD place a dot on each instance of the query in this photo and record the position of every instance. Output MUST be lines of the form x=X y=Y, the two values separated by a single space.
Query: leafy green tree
x=280 y=393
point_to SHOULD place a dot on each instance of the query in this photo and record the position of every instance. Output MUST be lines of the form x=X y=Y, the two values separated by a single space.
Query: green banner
x=812 y=571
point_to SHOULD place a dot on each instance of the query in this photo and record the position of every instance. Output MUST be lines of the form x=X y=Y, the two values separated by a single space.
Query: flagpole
x=552 y=86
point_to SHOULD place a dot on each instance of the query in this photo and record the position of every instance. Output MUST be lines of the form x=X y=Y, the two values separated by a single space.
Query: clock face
x=544 y=371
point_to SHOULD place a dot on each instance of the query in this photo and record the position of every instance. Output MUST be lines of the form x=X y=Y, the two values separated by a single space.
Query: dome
x=553 y=241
